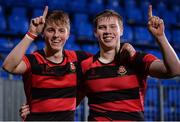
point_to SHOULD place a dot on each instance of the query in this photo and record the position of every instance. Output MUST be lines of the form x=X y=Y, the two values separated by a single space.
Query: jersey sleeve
x=142 y=62
x=81 y=55
x=27 y=62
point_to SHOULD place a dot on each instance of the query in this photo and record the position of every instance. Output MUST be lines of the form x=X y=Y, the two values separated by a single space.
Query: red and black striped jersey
x=116 y=90
x=51 y=87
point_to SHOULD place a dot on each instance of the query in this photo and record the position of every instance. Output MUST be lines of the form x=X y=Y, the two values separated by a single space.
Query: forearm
x=15 y=56
x=170 y=58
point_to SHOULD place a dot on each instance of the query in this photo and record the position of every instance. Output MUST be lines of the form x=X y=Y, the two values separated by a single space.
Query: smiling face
x=108 y=32
x=108 y=29
x=56 y=30
x=55 y=36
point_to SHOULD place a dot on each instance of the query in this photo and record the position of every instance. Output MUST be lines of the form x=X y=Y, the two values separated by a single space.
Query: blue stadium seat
x=10 y=3
x=17 y=77
x=71 y=39
x=114 y=5
x=169 y=14
x=37 y=13
x=151 y=100
x=58 y=4
x=176 y=37
x=72 y=46
x=40 y=44
x=78 y=6
x=31 y=48
x=18 y=24
x=176 y=10
x=79 y=18
x=15 y=41
x=127 y=34
x=171 y=101
x=90 y=48
x=22 y=11
x=161 y=7
x=3 y=25
x=130 y=4
x=168 y=35
x=134 y=16
x=37 y=3
x=85 y=31
x=5 y=45
x=95 y=6
x=142 y=35
x=4 y=75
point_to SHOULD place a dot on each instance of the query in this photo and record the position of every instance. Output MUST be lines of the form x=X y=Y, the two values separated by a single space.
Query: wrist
x=31 y=36
x=161 y=37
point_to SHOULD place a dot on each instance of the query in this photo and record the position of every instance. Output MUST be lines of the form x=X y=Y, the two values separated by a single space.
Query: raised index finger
x=150 y=11
x=45 y=12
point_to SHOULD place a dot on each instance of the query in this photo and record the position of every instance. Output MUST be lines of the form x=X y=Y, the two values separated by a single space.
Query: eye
x=101 y=27
x=113 y=26
x=50 y=30
x=62 y=30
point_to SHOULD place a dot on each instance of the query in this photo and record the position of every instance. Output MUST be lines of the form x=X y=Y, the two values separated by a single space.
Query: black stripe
x=102 y=97
x=81 y=55
x=138 y=62
x=112 y=115
x=105 y=72
x=51 y=116
x=46 y=93
x=32 y=59
x=44 y=69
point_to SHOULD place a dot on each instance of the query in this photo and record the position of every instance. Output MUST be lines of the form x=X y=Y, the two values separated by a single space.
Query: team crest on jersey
x=72 y=67
x=122 y=70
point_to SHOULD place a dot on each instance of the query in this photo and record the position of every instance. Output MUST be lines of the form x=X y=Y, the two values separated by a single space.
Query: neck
x=54 y=56
x=107 y=56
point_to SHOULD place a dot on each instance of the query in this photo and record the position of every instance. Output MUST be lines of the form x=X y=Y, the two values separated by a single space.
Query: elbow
x=6 y=67
x=175 y=72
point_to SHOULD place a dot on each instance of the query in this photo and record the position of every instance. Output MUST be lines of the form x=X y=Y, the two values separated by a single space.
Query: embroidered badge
x=72 y=67
x=122 y=71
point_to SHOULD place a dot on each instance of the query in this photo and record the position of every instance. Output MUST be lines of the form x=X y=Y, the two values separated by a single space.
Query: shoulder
x=85 y=64
x=79 y=55
x=144 y=57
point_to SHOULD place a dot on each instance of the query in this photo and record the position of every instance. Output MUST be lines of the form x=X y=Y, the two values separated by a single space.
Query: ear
x=68 y=34
x=121 y=30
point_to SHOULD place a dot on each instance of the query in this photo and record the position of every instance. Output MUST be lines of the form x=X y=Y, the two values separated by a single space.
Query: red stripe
x=102 y=119
x=123 y=106
x=88 y=64
x=109 y=119
x=26 y=61
x=52 y=105
x=110 y=84
x=53 y=81
x=148 y=59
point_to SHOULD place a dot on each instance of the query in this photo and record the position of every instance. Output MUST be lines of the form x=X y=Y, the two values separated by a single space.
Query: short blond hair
x=107 y=13
x=59 y=18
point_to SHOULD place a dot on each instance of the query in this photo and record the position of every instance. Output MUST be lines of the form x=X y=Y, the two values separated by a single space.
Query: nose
x=56 y=33
x=108 y=30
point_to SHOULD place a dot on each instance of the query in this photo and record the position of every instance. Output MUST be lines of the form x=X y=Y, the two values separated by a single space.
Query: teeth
x=55 y=41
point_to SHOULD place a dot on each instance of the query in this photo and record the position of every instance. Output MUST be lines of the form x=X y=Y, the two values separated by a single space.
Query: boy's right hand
x=37 y=24
x=24 y=111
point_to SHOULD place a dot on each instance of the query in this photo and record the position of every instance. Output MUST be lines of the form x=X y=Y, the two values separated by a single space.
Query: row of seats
x=71 y=44
x=136 y=34
x=170 y=98
x=82 y=5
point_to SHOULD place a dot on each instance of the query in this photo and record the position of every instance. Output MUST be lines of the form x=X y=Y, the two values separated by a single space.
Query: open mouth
x=108 y=38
